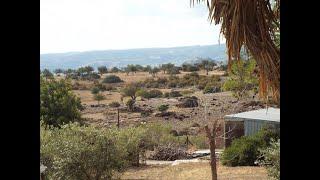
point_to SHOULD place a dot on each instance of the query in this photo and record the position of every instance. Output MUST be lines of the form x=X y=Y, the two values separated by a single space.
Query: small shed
x=250 y=122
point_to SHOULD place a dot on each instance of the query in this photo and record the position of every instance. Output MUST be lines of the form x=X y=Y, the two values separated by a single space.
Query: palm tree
x=254 y=25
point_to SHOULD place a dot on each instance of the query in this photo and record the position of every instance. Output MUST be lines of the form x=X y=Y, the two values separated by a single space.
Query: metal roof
x=269 y=114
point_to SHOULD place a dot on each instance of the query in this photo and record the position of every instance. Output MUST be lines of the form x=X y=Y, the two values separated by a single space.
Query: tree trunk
x=213 y=162
x=212 y=143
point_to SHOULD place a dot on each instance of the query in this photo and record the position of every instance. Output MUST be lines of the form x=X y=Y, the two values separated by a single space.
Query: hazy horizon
x=97 y=50
x=93 y=25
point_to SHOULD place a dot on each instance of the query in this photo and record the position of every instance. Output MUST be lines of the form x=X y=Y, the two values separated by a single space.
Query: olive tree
x=58 y=104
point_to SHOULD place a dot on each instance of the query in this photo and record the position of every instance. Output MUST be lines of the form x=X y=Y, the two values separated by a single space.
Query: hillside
x=147 y=56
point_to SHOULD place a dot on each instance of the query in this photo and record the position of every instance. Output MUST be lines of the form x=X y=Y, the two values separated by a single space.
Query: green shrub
x=114 y=70
x=95 y=90
x=163 y=107
x=75 y=152
x=112 y=79
x=175 y=94
x=242 y=79
x=149 y=94
x=156 y=134
x=211 y=89
x=271 y=159
x=155 y=93
x=99 y=97
x=200 y=141
x=244 y=151
x=103 y=87
x=58 y=104
x=130 y=104
x=142 y=93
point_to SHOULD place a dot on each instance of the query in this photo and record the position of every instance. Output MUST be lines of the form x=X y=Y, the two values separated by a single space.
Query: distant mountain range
x=120 y=58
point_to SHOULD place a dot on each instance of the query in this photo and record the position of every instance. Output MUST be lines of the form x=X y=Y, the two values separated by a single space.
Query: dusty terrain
x=199 y=171
x=217 y=105
x=211 y=106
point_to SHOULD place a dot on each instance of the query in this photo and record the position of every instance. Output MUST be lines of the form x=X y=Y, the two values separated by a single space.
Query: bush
x=114 y=104
x=58 y=104
x=163 y=107
x=155 y=94
x=112 y=79
x=130 y=104
x=244 y=151
x=271 y=159
x=142 y=93
x=200 y=141
x=75 y=152
x=175 y=94
x=103 y=87
x=149 y=94
x=211 y=89
x=99 y=97
x=95 y=90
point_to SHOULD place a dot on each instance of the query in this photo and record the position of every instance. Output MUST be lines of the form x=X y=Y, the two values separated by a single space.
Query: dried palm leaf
x=251 y=24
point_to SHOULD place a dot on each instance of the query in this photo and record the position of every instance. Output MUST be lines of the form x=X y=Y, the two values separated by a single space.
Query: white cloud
x=79 y=25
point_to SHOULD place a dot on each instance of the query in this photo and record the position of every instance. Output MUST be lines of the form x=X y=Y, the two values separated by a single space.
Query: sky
x=84 y=25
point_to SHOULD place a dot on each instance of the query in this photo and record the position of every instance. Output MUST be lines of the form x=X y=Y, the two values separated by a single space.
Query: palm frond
x=251 y=24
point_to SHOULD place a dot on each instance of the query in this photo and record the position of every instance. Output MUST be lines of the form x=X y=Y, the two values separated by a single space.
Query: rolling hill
x=120 y=58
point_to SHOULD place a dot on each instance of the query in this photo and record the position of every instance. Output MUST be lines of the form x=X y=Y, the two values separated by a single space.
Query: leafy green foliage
x=242 y=78
x=47 y=74
x=112 y=79
x=130 y=104
x=95 y=90
x=88 y=152
x=163 y=107
x=102 y=69
x=271 y=159
x=131 y=90
x=114 y=70
x=99 y=97
x=132 y=68
x=189 y=68
x=244 y=151
x=149 y=94
x=154 y=71
x=166 y=67
x=58 y=71
x=207 y=64
x=75 y=152
x=173 y=94
x=58 y=104
x=211 y=89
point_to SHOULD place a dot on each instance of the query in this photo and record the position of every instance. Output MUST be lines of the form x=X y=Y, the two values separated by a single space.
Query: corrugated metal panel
x=253 y=126
x=270 y=114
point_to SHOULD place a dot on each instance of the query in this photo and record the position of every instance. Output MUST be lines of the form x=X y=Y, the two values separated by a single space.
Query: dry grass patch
x=199 y=171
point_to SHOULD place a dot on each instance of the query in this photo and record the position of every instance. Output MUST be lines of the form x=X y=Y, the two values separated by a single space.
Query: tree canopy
x=58 y=104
